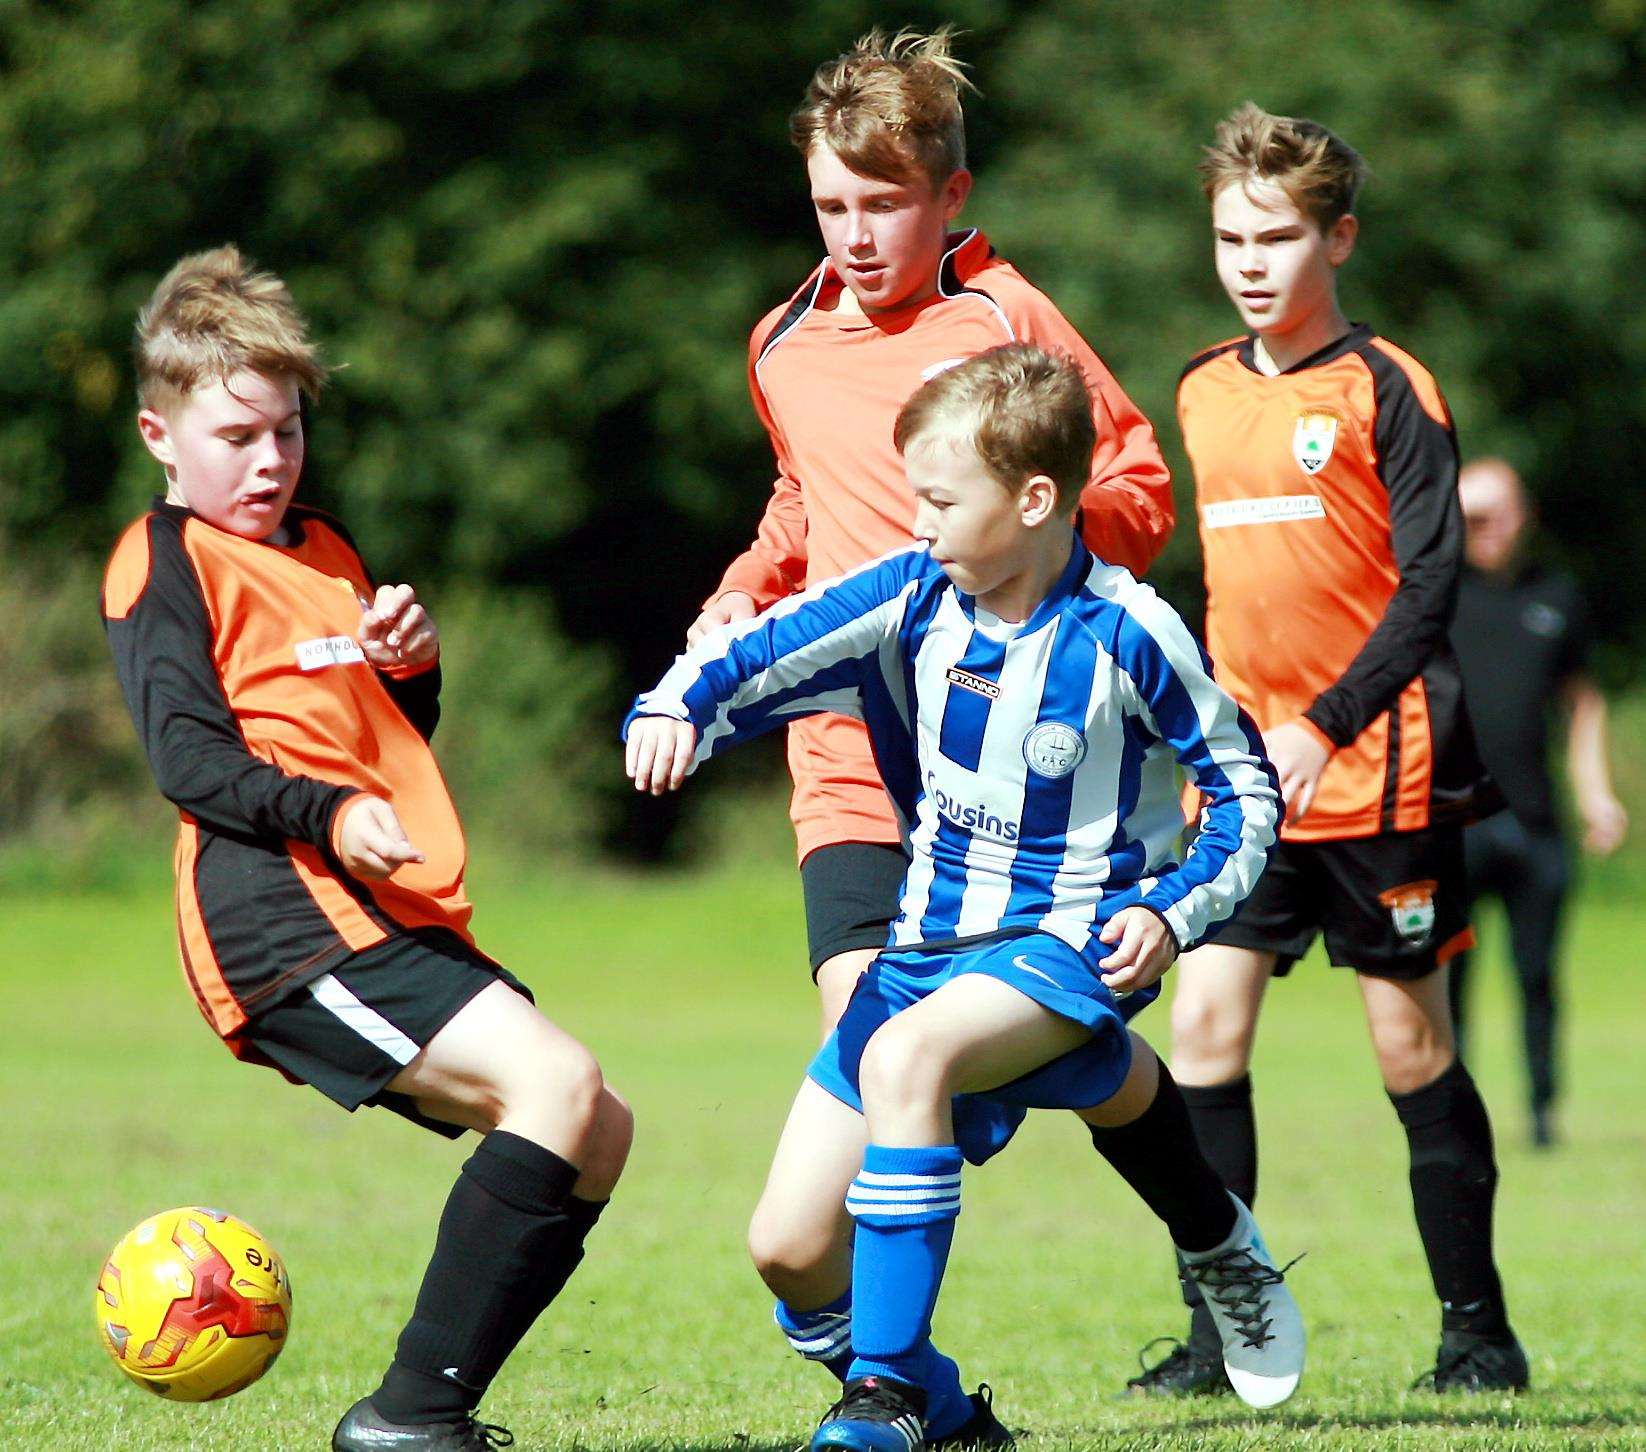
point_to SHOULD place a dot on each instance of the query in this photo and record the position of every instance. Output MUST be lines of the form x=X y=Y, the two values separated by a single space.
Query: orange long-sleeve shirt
x=261 y=717
x=1329 y=521
x=828 y=386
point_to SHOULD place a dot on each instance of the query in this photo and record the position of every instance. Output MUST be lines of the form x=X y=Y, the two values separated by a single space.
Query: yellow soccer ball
x=193 y=1304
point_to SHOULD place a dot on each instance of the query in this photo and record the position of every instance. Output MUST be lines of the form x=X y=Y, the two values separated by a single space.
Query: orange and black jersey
x=261 y=717
x=1327 y=503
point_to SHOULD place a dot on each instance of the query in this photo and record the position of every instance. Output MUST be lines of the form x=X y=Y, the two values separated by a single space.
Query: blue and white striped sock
x=905 y=1202
x=823 y=1335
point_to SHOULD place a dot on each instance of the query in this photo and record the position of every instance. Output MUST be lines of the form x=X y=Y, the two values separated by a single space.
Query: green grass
x=120 y=1102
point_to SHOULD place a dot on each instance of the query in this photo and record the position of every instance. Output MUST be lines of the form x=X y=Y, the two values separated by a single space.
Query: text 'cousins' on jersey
x=1032 y=763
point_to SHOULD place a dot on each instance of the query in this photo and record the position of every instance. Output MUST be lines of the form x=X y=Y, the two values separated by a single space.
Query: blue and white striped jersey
x=1032 y=763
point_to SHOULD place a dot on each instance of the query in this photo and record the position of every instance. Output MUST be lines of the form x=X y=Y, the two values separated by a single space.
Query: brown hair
x=1319 y=173
x=214 y=314
x=889 y=107
x=1026 y=411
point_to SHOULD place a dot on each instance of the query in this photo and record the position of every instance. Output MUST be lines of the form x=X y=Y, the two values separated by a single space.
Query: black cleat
x=1468 y=1361
x=365 y=1429
x=1187 y=1370
x=981 y=1429
x=874 y=1414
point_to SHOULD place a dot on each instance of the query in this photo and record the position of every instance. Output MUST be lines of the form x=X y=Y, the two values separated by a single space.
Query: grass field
x=120 y=1102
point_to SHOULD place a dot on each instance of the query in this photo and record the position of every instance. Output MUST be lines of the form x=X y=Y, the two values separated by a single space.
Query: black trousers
x=1529 y=871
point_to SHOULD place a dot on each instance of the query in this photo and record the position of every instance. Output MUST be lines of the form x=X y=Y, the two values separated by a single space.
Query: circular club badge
x=1053 y=749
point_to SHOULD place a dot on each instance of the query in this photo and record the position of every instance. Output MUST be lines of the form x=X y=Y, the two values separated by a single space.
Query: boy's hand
x=1144 y=948
x=1298 y=759
x=370 y=840
x=396 y=631
x=1605 y=823
x=659 y=751
x=731 y=607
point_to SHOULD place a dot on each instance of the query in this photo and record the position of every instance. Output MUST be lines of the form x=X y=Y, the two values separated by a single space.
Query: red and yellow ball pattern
x=193 y=1304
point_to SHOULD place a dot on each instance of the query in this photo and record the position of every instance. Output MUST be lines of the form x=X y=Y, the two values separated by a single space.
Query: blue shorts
x=1039 y=966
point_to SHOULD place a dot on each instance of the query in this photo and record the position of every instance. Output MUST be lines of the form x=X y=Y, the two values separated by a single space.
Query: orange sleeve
x=1127 y=511
x=774 y=566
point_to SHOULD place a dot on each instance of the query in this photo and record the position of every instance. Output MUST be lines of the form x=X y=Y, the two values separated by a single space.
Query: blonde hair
x=1320 y=174
x=1024 y=410
x=889 y=107
x=214 y=314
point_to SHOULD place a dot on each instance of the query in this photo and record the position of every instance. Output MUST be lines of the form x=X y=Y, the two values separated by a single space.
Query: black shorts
x=350 y=1031
x=1393 y=906
x=851 y=891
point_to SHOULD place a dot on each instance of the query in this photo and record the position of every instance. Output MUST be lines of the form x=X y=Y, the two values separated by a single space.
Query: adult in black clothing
x=1521 y=632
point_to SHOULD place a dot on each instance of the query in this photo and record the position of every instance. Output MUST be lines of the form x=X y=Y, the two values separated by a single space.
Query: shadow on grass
x=1521 y=1415
x=725 y=1444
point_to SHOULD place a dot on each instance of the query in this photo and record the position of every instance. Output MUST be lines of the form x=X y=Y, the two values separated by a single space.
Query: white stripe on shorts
x=364 y=1020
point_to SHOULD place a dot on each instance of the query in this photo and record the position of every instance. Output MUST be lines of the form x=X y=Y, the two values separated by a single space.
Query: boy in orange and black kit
x=1325 y=474
x=898 y=298
x=285 y=703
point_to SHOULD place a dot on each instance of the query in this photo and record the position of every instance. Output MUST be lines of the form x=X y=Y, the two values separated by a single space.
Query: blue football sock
x=905 y=1202
x=947 y=1405
x=823 y=1335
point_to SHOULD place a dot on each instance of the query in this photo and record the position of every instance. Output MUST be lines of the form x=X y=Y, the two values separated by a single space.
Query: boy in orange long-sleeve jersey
x=1325 y=471
x=285 y=702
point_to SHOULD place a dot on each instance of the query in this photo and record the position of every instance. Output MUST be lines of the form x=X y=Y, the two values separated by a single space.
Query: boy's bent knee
x=566 y=1083
x=903 y=1065
x=792 y=1260
x=1411 y=1063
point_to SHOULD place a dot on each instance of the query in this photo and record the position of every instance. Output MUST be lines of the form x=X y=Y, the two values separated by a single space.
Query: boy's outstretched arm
x=825 y=650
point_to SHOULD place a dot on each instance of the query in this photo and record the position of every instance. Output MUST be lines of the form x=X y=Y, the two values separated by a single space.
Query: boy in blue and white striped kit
x=1029 y=706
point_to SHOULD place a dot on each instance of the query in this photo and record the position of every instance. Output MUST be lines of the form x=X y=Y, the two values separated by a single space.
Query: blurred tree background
x=536 y=235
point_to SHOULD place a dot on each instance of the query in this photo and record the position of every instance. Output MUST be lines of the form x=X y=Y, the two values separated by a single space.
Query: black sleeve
x=1417 y=462
x=418 y=698
x=200 y=761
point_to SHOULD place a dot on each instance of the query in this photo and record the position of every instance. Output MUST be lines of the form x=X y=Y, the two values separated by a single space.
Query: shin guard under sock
x=823 y=1335
x=1158 y=1156
x=1454 y=1184
x=504 y=1248
x=905 y=1202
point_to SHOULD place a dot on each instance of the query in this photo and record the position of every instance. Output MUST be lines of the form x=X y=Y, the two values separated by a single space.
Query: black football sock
x=505 y=1247
x=1454 y=1182
x=1157 y=1156
x=558 y=1266
x=1227 y=1131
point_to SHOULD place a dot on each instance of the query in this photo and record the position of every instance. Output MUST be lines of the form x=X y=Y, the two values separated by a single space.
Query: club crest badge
x=1412 y=906
x=1312 y=439
x=1053 y=750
